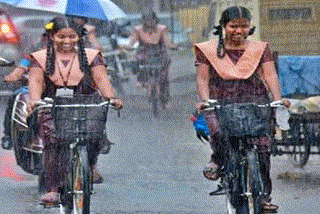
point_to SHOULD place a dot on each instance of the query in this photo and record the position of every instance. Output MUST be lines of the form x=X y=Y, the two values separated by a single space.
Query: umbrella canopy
x=95 y=9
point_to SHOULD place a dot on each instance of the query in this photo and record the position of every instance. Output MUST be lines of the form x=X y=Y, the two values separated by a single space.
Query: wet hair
x=84 y=19
x=57 y=24
x=234 y=12
x=149 y=14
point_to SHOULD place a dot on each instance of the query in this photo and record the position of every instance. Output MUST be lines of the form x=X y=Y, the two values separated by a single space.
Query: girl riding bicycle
x=65 y=67
x=235 y=67
x=153 y=40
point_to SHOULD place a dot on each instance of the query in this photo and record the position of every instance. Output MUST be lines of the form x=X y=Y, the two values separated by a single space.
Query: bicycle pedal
x=50 y=205
x=218 y=191
x=269 y=211
x=215 y=193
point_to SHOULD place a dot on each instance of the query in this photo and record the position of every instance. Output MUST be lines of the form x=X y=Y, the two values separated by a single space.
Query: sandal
x=269 y=208
x=50 y=198
x=96 y=177
x=211 y=171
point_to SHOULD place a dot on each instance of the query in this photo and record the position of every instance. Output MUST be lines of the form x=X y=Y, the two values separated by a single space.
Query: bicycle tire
x=75 y=195
x=254 y=183
x=236 y=203
x=81 y=182
x=154 y=100
x=299 y=143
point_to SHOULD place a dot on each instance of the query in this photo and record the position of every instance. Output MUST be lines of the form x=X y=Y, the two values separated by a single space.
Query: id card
x=64 y=92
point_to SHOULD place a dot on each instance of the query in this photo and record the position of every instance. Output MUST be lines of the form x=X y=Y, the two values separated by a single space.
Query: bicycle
x=151 y=68
x=241 y=178
x=77 y=121
x=116 y=61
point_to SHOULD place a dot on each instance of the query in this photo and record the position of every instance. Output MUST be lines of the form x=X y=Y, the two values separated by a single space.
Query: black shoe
x=6 y=142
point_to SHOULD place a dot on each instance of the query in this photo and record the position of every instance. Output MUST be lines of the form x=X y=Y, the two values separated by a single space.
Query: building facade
x=292 y=27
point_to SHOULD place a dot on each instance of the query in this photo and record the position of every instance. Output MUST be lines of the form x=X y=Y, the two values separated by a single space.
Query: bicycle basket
x=244 y=119
x=86 y=123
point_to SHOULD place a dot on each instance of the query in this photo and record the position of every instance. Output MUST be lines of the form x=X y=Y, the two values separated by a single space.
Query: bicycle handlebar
x=212 y=104
x=48 y=103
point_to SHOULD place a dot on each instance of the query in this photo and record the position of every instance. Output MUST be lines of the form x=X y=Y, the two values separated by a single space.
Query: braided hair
x=57 y=24
x=234 y=12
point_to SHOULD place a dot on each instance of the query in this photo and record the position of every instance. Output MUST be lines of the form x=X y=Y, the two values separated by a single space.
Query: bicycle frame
x=75 y=195
x=151 y=68
x=241 y=176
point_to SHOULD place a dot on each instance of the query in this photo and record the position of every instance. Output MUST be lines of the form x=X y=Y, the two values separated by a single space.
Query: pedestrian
x=235 y=67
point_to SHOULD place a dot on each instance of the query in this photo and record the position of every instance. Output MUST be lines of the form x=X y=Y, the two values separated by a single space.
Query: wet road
x=155 y=165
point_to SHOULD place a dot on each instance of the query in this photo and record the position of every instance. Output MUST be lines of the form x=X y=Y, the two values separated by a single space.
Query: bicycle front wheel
x=254 y=183
x=81 y=182
x=154 y=99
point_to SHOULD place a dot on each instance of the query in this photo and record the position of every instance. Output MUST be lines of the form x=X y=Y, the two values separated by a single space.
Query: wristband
x=24 y=63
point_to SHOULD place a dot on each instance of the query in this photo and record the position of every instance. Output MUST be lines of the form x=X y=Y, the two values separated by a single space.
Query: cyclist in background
x=235 y=67
x=153 y=39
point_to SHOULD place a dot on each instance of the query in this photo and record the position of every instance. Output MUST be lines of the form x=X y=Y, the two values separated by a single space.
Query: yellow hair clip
x=49 y=26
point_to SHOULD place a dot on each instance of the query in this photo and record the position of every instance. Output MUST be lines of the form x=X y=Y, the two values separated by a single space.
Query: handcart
x=297 y=75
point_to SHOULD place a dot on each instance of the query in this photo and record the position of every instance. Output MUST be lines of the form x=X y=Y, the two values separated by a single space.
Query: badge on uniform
x=64 y=92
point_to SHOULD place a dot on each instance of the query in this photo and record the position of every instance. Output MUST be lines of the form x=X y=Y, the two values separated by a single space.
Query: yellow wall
x=196 y=19
x=292 y=36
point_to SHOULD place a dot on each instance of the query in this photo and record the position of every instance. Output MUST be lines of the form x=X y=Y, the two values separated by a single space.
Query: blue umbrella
x=96 y=9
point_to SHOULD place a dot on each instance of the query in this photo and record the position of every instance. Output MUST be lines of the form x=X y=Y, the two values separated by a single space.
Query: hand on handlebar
x=286 y=102
x=117 y=103
x=203 y=104
x=32 y=104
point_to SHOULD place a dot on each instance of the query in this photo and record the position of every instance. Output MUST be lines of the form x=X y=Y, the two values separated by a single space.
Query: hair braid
x=51 y=58
x=220 y=49
x=83 y=60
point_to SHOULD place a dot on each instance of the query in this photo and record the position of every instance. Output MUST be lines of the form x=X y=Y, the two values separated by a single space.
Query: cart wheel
x=299 y=140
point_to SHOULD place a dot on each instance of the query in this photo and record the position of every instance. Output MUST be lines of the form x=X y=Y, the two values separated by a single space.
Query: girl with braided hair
x=235 y=67
x=65 y=63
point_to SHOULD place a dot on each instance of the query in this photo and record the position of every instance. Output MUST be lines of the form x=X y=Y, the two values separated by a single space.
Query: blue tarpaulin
x=299 y=74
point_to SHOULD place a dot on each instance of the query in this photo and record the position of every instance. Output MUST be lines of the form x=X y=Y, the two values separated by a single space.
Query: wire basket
x=244 y=119
x=82 y=122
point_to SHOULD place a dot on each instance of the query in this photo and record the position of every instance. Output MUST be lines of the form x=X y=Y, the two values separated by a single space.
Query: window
x=290 y=14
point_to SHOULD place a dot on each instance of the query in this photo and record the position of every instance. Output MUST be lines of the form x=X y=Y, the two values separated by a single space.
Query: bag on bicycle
x=200 y=125
x=244 y=119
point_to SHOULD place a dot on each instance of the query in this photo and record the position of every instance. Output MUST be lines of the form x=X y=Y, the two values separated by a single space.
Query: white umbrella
x=96 y=9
